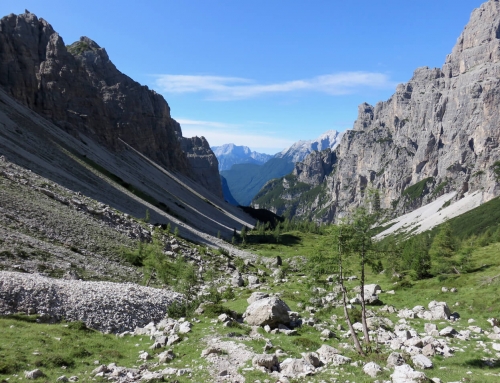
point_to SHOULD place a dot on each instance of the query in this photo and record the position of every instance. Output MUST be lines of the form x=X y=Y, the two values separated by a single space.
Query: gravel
x=105 y=306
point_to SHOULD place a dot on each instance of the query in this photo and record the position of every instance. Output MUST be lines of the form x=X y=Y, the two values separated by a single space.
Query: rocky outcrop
x=79 y=89
x=204 y=164
x=437 y=133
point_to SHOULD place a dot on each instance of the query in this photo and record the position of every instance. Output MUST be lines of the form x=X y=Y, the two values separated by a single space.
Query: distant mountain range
x=245 y=179
x=230 y=154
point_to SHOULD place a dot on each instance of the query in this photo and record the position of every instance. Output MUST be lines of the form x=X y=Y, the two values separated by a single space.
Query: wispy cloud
x=230 y=88
x=220 y=133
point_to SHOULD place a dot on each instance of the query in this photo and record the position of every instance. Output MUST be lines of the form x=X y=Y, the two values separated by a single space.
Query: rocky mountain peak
x=79 y=89
x=300 y=149
x=479 y=43
x=438 y=133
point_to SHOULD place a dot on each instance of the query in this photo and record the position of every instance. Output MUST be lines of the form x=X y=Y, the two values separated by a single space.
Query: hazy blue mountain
x=244 y=180
x=231 y=154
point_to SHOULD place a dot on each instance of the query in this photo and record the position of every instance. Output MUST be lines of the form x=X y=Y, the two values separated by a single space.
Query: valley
x=132 y=253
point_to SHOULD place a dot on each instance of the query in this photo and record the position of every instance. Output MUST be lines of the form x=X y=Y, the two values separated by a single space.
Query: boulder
x=372 y=369
x=372 y=289
x=265 y=360
x=296 y=368
x=256 y=296
x=395 y=359
x=374 y=323
x=237 y=280
x=312 y=358
x=253 y=280
x=406 y=314
x=185 y=327
x=166 y=356
x=429 y=350
x=338 y=360
x=430 y=328
x=326 y=334
x=326 y=353
x=270 y=311
x=406 y=374
x=439 y=310
x=448 y=332
x=173 y=339
x=210 y=350
x=33 y=374
x=421 y=361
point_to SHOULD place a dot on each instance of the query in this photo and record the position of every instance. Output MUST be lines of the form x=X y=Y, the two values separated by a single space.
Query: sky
x=263 y=73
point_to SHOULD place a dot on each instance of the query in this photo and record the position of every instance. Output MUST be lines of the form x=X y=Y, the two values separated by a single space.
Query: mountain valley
x=129 y=253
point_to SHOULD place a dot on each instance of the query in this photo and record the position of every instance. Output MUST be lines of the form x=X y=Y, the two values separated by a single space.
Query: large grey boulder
x=326 y=353
x=270 y=311
x=372 y=289
x=256 y=296
x=421 y=361
x=439 y=310
x=267 y=361
x=406 y=374
x=372 y=369
x=329 y=355
x=395 y=359
x=312 y=358
x=296 y=368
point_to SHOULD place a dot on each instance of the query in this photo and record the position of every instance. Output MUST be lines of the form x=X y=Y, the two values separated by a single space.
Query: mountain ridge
x=79 y=89
x=437 y=134
x=230 y=154
x=244 y=181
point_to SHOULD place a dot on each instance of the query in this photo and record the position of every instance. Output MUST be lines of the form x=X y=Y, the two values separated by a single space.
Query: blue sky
x=263 y=73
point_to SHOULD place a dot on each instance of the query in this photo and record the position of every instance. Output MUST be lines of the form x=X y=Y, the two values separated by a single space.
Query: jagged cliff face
x=79 y=89
x=439 y=132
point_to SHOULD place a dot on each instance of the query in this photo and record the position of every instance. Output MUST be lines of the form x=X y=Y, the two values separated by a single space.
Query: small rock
x=34 y=374
x=166 y=356
x=144 y=356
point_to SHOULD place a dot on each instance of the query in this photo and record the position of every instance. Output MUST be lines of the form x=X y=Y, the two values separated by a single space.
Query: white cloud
x=220 y=133
x=229 y=88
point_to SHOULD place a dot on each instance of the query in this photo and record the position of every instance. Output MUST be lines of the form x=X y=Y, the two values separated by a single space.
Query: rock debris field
x=105 y=306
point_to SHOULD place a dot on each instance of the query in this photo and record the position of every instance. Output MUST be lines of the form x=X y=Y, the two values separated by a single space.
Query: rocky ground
x=235 y=348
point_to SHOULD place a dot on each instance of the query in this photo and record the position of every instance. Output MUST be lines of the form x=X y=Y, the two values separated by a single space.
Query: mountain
x=437 y=134
x=301 y=149
x=245 y=180
x=80 y=90
x=230 y=154
x=68 y=115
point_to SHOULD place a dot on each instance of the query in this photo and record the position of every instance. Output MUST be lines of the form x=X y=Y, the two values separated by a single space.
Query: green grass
x=27 y=345
x=416 y=191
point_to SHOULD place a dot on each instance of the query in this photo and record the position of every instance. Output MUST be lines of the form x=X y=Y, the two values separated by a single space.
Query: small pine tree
x=442 y=249
x=218 y=234
x=176 y=231
x=147 y=218
x=167 y=230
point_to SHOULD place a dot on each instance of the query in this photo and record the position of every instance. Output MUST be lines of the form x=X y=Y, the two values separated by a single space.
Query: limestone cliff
x=79 y=89
x=439 y=132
